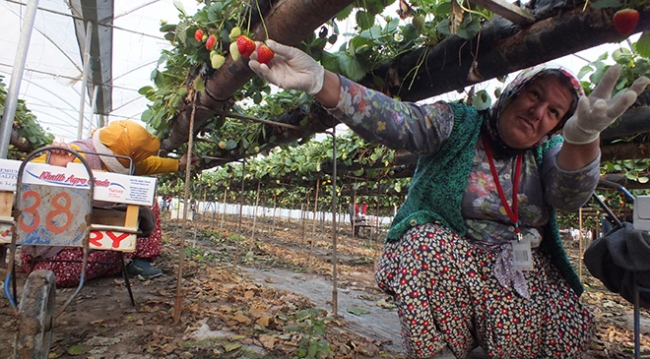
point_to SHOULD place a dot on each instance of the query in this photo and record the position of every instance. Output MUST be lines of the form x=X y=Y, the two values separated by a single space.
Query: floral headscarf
x=512 y=90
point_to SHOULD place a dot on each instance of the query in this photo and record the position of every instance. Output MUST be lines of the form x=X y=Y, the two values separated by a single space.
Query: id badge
x=523 y=256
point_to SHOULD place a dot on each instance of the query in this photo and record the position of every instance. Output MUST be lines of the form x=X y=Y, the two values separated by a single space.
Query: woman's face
x=534 y=112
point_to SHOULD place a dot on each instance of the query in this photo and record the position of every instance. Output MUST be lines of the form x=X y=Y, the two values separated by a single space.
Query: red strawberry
x=209 y=44
x=625 y=21
x=264 y=54
x=198 y=35
x=245 y=45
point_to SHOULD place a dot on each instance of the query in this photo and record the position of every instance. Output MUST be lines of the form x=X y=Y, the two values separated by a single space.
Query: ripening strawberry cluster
x=241 y=46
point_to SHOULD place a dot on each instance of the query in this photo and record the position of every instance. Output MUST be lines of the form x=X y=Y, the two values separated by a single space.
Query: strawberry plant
x=204 y=41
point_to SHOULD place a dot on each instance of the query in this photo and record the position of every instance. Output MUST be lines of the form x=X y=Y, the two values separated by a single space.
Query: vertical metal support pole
x=16 y=77
x=93 y=107
x=84 y=80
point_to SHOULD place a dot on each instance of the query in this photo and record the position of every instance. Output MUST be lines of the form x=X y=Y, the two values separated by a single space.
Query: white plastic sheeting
x=51 y=83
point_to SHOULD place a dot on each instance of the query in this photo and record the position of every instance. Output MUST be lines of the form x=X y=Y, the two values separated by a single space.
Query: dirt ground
x=275 y=303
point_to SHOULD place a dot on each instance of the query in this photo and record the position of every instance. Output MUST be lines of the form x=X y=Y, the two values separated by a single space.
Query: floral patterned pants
x=100 y=263
x=448 y=296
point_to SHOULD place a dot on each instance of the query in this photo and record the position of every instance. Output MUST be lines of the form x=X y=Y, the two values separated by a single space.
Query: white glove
x=595 y=113
x=291 y=69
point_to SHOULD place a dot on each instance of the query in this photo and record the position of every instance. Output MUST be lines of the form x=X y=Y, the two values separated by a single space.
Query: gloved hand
x=290 y=69
x=596 y=112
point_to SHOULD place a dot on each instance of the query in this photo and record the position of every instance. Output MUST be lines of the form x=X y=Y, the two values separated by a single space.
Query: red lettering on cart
x=102 y=183
x=115 y=190
x=117 y=239
x=49 y=176
x=59 y=209
x=76 y=180
x=95 y=238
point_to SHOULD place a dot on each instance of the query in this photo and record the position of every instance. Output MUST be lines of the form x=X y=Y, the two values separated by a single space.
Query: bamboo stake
x=223 y=214
x=353 y=215
x=303 y=215
x=257 y=202
x=241 y=209
x=275 y=206
x=188 y=169
x=313 y=227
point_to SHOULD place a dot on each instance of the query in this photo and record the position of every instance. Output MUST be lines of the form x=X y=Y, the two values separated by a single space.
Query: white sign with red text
x=109 y=187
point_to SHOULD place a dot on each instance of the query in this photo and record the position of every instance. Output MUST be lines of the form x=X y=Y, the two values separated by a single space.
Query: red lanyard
x=513 y=213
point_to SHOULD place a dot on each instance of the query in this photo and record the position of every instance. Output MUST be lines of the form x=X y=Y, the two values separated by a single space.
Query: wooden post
x=313 y=227
x=223 y=214
x=275 y=207
x=257 y=202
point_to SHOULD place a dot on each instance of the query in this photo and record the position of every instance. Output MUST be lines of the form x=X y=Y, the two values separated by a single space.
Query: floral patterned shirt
x=423 y=129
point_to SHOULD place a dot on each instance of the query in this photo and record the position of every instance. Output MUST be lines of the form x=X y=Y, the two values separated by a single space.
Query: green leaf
x=214 y=12
x=358 y=311
x=602 y=4
x=443 y=27
x=146 y=90
x=469 y=29
x=180 y=7
x=76 y=350
x=642 y=47
x=330 y=62
x=584 y=70
x=343 y=14
x=181 y=32
x=365 y=20
x=351 y=68
x=230 y=144
x=199 y=84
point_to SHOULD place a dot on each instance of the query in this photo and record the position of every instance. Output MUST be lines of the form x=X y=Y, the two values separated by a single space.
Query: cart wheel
x=36 y=316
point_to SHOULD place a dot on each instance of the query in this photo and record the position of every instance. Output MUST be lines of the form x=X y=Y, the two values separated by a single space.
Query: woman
x=120 y=138
x=474 y=255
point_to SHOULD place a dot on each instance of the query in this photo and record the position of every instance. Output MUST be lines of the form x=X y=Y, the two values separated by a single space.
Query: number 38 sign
x=55 y=216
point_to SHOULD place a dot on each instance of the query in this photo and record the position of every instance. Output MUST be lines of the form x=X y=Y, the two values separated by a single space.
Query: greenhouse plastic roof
x=125 y=48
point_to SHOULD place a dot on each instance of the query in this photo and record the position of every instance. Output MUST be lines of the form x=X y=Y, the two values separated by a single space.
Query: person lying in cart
x=474 y=256
x=121 y=138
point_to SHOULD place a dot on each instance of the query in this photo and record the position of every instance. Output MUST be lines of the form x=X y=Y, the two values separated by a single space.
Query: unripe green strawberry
x=234 y=52
x=264 y=54
x=217 y=61
x=234 y=33
x=418 y=22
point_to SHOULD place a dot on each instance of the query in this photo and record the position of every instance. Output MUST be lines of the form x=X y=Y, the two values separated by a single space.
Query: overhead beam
x=501 y=48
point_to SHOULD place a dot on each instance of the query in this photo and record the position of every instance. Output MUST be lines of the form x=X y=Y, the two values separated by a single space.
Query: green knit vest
x=439 y=181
